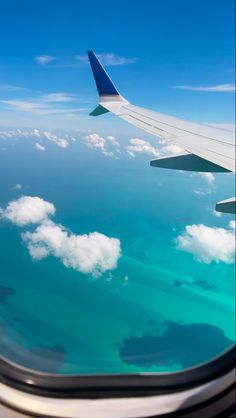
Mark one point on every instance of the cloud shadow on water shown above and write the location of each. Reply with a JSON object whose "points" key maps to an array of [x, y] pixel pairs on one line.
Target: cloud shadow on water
{"points": [[186, 345], [5, 292]]}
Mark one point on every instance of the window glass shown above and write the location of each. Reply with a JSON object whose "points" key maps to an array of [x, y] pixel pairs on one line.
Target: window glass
{"points": [[107, 264]]}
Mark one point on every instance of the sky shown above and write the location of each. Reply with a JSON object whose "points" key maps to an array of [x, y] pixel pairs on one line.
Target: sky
{"points": [[176, 57]]}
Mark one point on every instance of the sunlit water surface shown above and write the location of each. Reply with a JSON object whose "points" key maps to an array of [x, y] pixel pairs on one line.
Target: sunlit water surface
{"points": [[161, 309]]}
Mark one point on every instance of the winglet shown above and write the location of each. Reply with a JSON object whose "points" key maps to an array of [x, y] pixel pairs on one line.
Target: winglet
{"points": [[104, 84]]}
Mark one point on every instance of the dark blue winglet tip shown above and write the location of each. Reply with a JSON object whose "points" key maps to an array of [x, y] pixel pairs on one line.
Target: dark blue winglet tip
{"points": [[104, 84]]}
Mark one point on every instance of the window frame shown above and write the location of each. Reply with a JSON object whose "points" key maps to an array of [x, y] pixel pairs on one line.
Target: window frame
{"points": [[113, 385]]}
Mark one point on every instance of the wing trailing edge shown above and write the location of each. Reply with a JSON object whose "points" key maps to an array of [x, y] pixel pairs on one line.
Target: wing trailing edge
{"points": [[207, 149], [227, 206], [188, 162]]}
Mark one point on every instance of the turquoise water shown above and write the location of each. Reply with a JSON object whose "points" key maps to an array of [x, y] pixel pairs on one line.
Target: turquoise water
{"points": [[148, 314]]}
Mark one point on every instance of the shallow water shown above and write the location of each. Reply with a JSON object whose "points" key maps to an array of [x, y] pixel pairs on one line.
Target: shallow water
{"points": [[149, 313]]}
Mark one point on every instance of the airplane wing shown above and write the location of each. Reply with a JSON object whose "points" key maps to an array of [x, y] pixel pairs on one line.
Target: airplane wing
{"points": [[205, 149]]}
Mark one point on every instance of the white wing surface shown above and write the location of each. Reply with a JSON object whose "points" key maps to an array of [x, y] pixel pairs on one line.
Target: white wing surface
{"points": [[204, 148]]}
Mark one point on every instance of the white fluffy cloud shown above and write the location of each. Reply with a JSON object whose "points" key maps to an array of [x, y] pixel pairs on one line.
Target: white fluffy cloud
{"points": [[209, 244], [93, 253], [232, 224], [113, 140], [169, 148], [95, 141], [60, 142], [139, 146], [27, 210]]}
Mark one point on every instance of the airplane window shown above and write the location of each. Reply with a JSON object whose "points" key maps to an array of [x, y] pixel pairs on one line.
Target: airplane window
{"points": [[117, 222], [109, 265]]}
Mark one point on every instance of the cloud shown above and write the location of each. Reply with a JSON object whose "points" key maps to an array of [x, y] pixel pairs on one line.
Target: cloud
{"points": [[202, 192], [43, 105], [40, 147], [44, 59], [24, 105], [36, 134], [217, 214], [58, 97], [232, 224], [95, 141], [27, 210], [109, 59], [10, 87], [139, 146], [93, 253], [169, 148], [228, 88], [209, 177], [209, 244], [18, 186], [113, 140], [60, 142]]}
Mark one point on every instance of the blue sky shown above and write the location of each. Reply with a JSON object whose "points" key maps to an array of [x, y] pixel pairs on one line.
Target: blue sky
{"points": [[150, 48]]}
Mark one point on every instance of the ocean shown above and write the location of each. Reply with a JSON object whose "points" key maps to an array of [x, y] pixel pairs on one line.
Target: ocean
{"points": [[160, 310]]}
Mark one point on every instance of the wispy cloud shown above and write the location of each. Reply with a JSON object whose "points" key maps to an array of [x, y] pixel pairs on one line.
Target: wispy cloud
{"points": [[209, 177], [40, 147], [11, 87], [202, 191], [17, 186], [58, 97], [44, 59], [36, 134], [43, 105], [220, 88], [109, 59]]}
